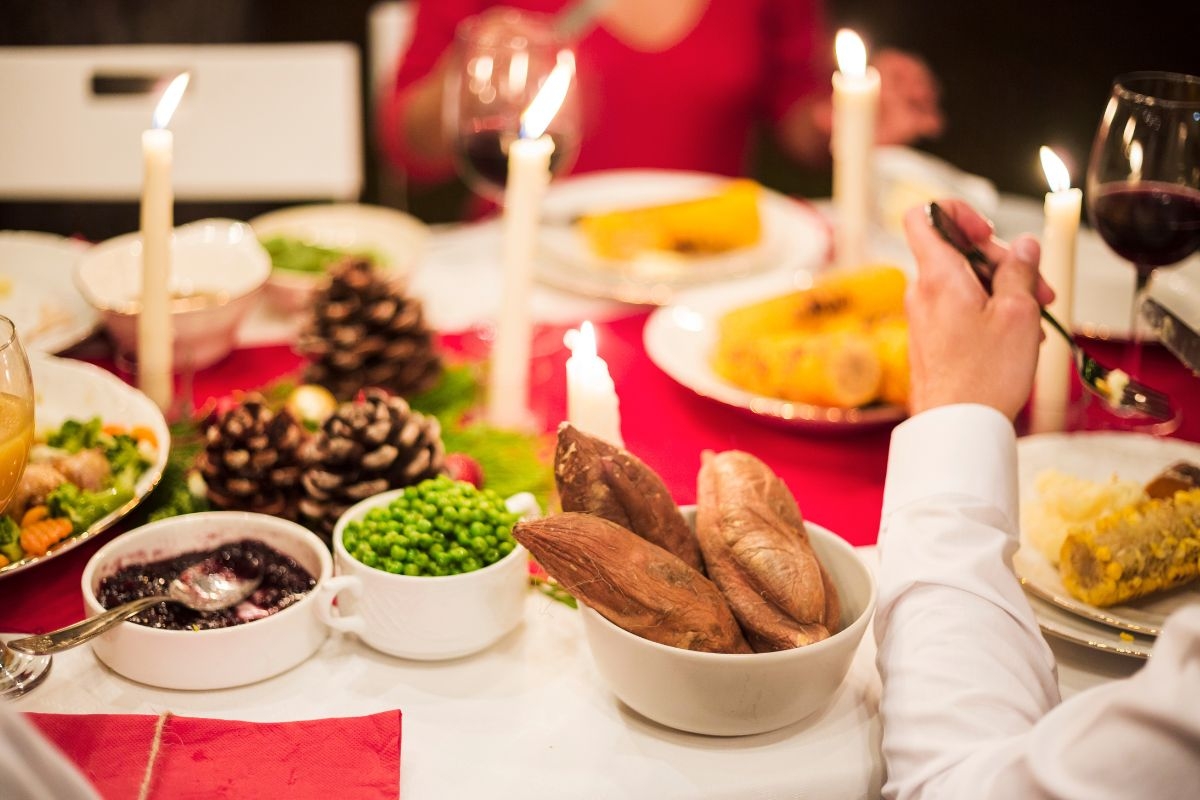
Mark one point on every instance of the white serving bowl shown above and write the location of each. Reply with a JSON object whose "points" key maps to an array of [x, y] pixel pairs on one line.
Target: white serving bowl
{"points": [[425, 617], [397, 238], [722, 694], [217, 269], [223, 657]]}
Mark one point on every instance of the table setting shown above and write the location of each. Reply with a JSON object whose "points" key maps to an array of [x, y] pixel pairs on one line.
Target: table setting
{"points": [[447, 481]]}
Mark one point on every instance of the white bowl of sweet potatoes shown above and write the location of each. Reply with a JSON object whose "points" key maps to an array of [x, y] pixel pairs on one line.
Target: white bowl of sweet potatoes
{"points": [[728, 618], [737, 694]]}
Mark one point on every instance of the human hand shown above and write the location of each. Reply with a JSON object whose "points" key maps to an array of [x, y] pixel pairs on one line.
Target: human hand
{"points": [[908, 99], [964, 345]]}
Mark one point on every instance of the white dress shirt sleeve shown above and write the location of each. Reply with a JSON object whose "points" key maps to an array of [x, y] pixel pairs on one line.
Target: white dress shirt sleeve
{"points": [[970, 704]]}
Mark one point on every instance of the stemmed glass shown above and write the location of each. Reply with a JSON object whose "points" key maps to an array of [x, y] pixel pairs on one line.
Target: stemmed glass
{"points": [[18, 673], [1143, 179], [500, 60]]}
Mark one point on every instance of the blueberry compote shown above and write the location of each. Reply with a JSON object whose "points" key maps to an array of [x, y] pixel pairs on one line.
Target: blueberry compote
{"points": [[284, 582]]}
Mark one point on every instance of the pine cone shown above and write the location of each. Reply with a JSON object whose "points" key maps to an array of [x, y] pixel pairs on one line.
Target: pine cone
{"points": [[366, 447], [366, 332], [251, 460]]}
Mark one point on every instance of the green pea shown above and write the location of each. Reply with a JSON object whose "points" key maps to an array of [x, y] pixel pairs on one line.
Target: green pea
{"points": [[412, 570]]}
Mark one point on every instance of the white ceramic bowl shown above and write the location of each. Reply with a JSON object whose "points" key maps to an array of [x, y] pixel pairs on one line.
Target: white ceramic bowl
{"points": [[209, 659], [217, 270], [397, 238], [723, 694], [425, 617]]}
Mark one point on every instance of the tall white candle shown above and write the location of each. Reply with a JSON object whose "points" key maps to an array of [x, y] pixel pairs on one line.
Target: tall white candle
{"points": [[592, 404], [855, 102], [155, 337], [1052, 382], [528, 175]]}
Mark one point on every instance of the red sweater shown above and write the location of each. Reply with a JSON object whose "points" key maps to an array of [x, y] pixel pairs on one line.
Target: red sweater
{"points": [[692, 106]]}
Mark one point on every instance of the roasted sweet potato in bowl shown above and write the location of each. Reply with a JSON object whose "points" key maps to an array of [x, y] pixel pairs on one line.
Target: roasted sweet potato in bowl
{"points": [[736, 694]]}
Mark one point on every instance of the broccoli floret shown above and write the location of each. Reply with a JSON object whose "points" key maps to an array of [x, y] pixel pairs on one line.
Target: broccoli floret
{"points": [[10, 545], [74, 435], [83, 507], [126, 460]]}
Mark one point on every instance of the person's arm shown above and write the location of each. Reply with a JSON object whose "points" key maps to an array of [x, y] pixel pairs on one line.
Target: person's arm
{"points": [[970, 701], [32, 768]]}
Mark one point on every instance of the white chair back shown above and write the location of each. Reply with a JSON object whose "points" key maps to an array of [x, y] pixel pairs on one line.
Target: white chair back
{"points": [[258, 123]]}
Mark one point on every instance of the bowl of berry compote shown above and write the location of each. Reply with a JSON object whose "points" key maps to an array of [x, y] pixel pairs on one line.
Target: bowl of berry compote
{"points": [[174, 647]]}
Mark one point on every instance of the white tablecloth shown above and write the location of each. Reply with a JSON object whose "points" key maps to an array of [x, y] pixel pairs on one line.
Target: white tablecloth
{"points": [[530, 717]]}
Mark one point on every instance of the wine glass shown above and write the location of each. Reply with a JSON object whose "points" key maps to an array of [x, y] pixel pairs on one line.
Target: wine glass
{"points": [[18, 673], [1143, 179], [500, 60]]}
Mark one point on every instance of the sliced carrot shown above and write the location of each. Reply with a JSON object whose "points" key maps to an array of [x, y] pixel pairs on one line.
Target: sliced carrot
{"points": [[34, 514], [4, 562], [39, 537], [144, 434], [113, 428]]}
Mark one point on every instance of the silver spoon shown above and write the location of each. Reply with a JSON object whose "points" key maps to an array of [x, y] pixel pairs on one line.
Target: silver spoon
{"points": [[204, 586]]}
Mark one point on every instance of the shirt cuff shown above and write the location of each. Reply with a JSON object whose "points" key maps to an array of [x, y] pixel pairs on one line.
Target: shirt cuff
{"points": [[964, 449]]}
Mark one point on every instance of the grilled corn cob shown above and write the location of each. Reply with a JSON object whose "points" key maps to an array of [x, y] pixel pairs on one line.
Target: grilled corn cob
{"points": [[1147, 547], [715, 224]]}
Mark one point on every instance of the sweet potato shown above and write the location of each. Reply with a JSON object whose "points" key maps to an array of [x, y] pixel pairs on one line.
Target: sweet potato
{"points": [[637, 585], [594, 477], [756, 550]]}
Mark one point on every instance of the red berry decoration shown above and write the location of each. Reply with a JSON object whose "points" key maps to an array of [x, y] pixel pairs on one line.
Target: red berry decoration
{"points": [[461, 467]]}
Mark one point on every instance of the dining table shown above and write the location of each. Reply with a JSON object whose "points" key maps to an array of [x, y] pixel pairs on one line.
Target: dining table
{"points": [[530, 716]]}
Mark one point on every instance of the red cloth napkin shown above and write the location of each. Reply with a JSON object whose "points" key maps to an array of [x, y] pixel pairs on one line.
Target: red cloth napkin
{"points": [[352, 757]]}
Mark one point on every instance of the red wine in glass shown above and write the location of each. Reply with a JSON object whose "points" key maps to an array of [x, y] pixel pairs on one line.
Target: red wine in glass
{"points": [[482, 158], [1150, 224]]}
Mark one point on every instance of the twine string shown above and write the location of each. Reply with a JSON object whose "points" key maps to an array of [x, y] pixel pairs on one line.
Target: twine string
{"points": [[156, 742]]}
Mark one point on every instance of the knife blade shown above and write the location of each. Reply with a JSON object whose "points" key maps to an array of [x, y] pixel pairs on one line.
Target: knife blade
{"points": [[1175, 334]]}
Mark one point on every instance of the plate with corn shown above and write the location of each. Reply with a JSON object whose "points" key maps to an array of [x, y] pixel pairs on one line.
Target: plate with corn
{"points": [[817, 352], [1110, 526], [641, 236]]}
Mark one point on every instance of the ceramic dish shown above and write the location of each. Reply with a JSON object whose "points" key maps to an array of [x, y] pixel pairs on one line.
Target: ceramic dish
{"points": [[1064, 625], [36, 292], [398, 239], [794, 237], [217, 269], [66, 389], [222, 657], [680, 337], [731, 694], [1098, 456]]}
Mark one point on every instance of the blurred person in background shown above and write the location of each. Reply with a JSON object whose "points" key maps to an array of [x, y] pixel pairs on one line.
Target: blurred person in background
{"points": [[678, 85]]}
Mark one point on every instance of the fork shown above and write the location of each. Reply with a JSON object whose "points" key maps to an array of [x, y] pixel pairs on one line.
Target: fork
{"points": [[1121, 393]]}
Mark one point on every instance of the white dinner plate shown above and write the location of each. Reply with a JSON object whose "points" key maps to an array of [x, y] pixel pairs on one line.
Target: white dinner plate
{"points": [[794, 237], [38, 294], [66, 389], [679, 338], [1097, 457], [1065, 625], [1104, 282]]}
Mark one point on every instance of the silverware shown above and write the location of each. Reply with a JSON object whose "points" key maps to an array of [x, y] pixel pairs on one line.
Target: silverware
{"points": [[1176, 335], [576, 18], [1121, 393], [204, 586]]}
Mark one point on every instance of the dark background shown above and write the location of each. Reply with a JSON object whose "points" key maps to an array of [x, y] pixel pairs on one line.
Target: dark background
{"points": [[1014, 75]]}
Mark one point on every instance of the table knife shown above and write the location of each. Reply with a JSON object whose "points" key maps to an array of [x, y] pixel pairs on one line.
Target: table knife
{"points": [[1178, 337]]}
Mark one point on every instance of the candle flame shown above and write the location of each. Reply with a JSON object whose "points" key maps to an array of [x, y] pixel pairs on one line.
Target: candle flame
{"points": [[170, 99], [549, 99], [851, 53], [1056, 171], [582, 342]]}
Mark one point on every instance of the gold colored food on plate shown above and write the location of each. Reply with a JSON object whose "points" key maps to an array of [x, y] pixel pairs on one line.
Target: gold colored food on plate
{"points": [[718, 223], [1064, 501], [842, 343], [1150, 546]]}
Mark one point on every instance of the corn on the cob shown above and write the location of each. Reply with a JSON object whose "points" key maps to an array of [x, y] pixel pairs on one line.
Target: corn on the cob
{"points": [[1148, 547], [724, 221]]}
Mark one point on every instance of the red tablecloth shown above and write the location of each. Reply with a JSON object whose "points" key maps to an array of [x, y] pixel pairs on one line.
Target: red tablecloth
{"points": [[837, 479]]}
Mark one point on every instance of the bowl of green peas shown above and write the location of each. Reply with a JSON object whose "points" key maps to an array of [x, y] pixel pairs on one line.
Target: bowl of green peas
{"points": [[430, 571]]}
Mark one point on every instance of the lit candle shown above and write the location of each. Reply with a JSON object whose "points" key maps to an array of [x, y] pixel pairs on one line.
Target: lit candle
{"points": [[528, 175], [1052, 382], [855, 101], [154, 334], [592, 404]]}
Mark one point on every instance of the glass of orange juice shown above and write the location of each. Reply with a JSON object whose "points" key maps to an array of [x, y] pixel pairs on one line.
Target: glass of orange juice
{"points": [[18, 673]]}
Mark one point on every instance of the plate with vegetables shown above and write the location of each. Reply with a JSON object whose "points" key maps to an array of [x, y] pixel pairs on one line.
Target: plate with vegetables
{"points": [[99, 448], [304, 241]]}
